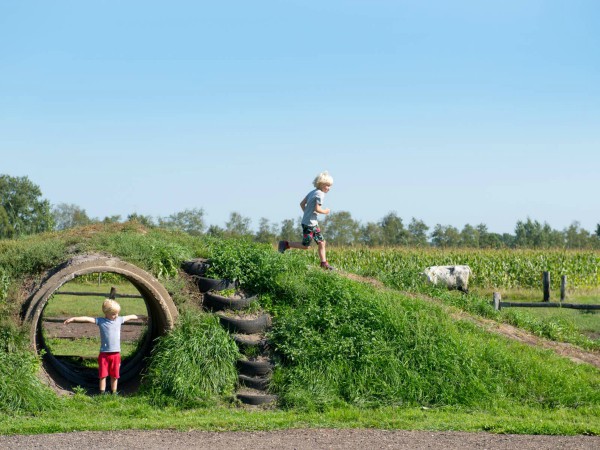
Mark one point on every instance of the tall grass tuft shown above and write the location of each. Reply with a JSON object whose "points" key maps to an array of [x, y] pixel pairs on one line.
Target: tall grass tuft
{"points": [[21, 391], [194, 365]]}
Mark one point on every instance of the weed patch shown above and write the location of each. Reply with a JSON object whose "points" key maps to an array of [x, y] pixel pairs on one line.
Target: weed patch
{"points": [[193, 365]]}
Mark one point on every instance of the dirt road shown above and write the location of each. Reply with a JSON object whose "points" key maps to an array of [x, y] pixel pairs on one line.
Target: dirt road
{"points": [[297, 439]]}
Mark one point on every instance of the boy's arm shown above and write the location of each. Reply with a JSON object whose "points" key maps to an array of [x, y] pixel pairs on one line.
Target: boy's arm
{"points": [[133, 317], [304, 202], [320, 210], [81, 319]]}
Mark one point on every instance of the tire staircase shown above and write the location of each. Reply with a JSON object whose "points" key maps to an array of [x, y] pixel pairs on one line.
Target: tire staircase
{"points": [[247, 330]]}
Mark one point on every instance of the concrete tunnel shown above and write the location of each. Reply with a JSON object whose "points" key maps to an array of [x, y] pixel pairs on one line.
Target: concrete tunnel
{"points": [[162, 314]]}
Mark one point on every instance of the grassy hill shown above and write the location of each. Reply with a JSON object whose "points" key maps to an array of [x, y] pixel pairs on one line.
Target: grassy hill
{"points": [[338, 343]]}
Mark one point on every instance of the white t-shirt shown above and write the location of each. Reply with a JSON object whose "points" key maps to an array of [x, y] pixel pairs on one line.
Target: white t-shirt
{"points": [[314, 198], [110, 333]]}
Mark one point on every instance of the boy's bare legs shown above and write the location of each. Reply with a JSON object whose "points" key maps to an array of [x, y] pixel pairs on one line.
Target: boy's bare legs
{"points": [[102, 384], [324, 264], [113, 384], [321, 251], [298, 245], [283, 245]]}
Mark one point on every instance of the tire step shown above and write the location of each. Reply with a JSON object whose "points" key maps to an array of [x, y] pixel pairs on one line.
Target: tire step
{"points": [[245, 326], [259, 383], [196, 266], [247, 341], [256, 398], [216, 302], [205, 284], [254, 368]]}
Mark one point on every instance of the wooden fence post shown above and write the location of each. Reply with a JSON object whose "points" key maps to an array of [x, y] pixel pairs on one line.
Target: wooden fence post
{"points": [[563, 288], [497, 299], [113, 293], [546, 284]]}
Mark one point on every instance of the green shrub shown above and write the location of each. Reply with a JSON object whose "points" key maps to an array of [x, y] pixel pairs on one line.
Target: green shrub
{"points": [[20, 388], [4, 285], [193, 365]]}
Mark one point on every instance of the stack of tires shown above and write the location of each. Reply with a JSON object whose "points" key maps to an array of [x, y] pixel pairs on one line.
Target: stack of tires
{"points": [[239, 315]]}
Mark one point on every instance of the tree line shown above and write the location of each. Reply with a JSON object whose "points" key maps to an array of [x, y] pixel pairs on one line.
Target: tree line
{"points": [[23, 211]]}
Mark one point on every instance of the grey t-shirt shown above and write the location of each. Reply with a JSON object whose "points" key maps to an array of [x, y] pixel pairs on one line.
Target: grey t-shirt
{"points": [[314, 198], [110, 334]]}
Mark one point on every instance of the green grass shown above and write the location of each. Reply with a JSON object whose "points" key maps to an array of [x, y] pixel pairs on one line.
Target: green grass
{"points": [[72, 305], [575, 324], [347, 354], [100, 413], [193, 365], [585, 322]]}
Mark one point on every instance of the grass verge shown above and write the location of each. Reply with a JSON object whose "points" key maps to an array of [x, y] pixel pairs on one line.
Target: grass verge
{"points": [[100, 413]]}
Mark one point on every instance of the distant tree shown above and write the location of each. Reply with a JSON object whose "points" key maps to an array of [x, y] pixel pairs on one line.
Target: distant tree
{"points": [[371, 235], [69, 216], [190, 221], [6, 229], [577, 237], [528, 233], [535, 235], [552, 238], [267, 232], [23, 210], [341, 228], [393, 230], [489, 240], [215, 231], [147, 221], [445, 236], [509, 240], [111, 219], [469, 237], [289, 231], [596, 238], [417, 233], [237, 225]]}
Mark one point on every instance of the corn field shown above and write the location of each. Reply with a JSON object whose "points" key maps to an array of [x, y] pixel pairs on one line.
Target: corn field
{"points": [[499, 269]]}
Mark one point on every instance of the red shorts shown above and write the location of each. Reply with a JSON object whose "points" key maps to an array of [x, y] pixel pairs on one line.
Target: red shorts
{"points": [[109, 364]]}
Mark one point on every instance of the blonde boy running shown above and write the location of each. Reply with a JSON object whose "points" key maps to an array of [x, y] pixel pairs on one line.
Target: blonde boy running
{"points": [[312, 205]]}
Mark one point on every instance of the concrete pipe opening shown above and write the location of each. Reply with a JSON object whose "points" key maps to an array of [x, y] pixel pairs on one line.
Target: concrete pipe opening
{"points": [[160, 308]]}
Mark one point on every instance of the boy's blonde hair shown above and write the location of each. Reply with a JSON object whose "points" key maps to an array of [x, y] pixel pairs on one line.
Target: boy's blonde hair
{"points": [[323, 178], [110, 307]]}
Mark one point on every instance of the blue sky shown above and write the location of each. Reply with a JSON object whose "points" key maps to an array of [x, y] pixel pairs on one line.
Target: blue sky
{"points": [[452, 112]]}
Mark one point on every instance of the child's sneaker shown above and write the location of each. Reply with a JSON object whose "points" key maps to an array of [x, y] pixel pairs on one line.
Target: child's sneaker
{"points": [[325, 265], [283, 246]]}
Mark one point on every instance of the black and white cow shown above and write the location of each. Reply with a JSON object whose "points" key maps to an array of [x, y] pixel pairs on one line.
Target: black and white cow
{"points": [[453, 277]]}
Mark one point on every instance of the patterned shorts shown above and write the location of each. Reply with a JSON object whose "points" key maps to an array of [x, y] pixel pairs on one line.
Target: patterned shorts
{"points": [[309, 233]]}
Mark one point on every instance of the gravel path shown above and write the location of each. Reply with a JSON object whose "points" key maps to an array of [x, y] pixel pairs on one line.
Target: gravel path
{"points": [[296, 439]]}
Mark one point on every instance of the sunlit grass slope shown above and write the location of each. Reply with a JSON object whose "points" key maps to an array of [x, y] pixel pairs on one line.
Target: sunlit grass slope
{"points": [[337, 342]]}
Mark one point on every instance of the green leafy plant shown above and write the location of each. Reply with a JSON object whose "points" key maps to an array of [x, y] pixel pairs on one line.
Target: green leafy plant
{"points": [[20, 388], [4, 285], [193, 365]]}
